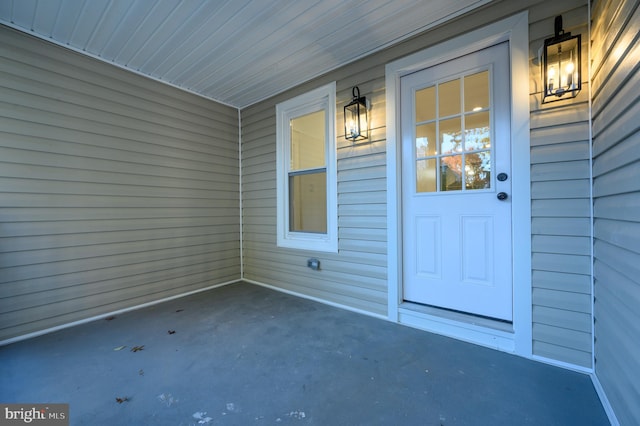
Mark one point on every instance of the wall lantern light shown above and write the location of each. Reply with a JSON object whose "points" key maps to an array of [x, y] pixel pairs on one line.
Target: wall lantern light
{"points": [[561, 65], [355, 117]]}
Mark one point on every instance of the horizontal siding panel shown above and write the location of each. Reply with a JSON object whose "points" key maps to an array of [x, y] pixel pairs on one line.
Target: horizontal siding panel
{"points": [[156, 268], [23, 243], [362, 234], [104, 213], [574, 207], [561, 245], [560, 281], [562, 353], [619, 234], [58, 254], [568, 132], [571, 227], [622, 207], [563, 189], [63, 92], [39, 270], [579, 112], [571, 339], [562, 300], [107, 153], [193, 273], [618, 258], [555, 262], [623, 127], [577, 321], [618, 181], [362, 210], [560, 171], [371, 185], [617, 156], [17, 229], [573, 151], [88, 123], [30, 200]]}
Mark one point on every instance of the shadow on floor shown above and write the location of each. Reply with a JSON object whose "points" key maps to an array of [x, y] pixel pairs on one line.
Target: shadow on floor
{"points": [[246, 355]]}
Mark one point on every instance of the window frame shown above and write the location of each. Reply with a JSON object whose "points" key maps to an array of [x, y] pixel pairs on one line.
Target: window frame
{"points": [[322, 98]]}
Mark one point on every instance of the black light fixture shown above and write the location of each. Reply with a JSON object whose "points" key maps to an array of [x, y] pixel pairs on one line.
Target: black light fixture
{"points": [[561, 65], [355, 117]]}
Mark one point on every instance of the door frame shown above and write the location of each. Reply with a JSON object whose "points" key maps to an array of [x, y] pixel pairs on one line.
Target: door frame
{"points": [[516, 338]]}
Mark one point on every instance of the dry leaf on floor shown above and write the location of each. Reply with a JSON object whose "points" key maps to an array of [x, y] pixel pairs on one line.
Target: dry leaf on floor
{"points": [[137, 348], [119, 348], [179, 310], [141, 372], [121, 400], [110, 318], [171, 332]]}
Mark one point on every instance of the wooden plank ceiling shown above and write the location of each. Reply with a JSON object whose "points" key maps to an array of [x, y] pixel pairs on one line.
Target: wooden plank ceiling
{"points": [[237, 52]]}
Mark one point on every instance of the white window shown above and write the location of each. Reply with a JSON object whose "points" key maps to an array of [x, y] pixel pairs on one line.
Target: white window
{"points": [[306, 163]]}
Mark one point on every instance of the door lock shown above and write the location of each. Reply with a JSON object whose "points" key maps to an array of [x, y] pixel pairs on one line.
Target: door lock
{"points": [[502, 177], [502, 196]]}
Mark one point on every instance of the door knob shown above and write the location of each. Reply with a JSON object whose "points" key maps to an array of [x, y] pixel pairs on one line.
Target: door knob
{"points": [[502, 196], [502, 177]]}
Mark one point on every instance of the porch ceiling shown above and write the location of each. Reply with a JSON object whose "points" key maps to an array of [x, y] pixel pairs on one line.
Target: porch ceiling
{"points": [[232, 51]]}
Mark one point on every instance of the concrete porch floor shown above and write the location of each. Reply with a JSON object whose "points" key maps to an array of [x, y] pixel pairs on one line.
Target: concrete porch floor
{"points": [[246, 355]]}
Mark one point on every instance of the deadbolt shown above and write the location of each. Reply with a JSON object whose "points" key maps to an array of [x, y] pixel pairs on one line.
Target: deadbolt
{"points": [[502, 177]]}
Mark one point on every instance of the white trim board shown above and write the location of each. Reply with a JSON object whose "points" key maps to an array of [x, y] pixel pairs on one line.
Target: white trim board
{"points": [[515, 30]]}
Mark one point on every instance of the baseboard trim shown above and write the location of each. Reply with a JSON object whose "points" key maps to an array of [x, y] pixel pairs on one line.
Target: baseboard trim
{"points": [[108, 314], [613, 419], [317, 299]]}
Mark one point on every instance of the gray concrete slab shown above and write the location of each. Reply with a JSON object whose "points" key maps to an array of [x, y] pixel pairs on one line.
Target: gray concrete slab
{"points": [[246, 355]]}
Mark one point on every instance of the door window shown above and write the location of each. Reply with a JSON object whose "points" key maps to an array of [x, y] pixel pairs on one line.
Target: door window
{"points": [[453, 150]]}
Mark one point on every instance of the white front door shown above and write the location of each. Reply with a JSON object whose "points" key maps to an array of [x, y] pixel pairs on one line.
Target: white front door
{"points": [[456, 182]]}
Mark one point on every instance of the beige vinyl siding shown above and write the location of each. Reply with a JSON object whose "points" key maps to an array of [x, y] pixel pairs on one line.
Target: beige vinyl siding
{"points": [[616, 167], [560, 191], [115, 190], [560, 202]]}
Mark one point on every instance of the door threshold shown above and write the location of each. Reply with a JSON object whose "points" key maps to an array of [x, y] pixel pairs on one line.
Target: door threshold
{"points": [[482, 331]]}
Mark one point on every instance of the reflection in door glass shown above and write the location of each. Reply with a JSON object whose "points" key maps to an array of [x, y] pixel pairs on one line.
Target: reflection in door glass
{"points": [[451, 173], [426, 176], [477, 170], [450, 136], [476, 131], [425, 140]]}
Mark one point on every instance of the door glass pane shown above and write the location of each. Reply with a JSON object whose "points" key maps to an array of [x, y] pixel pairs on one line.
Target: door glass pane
{"points": [[476, 91], [450, 136], [451, 173], [308, 141], [476, 133], [425, 140], [426, 104], [426, 176], [478, 170], [308, 202], [449, 98]]}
